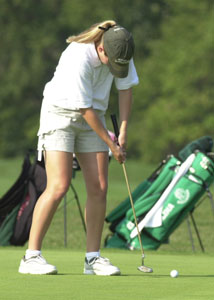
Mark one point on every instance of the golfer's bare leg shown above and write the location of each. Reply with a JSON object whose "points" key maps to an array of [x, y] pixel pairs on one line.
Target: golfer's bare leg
{"points": [[59, 174], [95, 171]]}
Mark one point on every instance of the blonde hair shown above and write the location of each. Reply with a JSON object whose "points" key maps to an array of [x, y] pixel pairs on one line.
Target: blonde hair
{"points": [[93, 34]]}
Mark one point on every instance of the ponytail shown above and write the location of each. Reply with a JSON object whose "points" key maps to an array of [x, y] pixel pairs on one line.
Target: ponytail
{"points": [[93, 34]]}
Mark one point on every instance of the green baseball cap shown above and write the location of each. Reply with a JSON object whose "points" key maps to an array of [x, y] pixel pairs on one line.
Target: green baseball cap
{"points": [[119, 47]]}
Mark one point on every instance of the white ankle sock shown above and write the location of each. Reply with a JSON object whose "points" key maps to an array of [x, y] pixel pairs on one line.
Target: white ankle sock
{"points": [[29, 253], [90, 255]]}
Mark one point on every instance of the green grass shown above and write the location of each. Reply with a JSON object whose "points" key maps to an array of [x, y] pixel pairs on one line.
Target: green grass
{"points": [[194, 282]]}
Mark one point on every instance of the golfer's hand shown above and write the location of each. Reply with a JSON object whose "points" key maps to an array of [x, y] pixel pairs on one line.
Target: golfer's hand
{"points": [[119, 153], [122, 140]]}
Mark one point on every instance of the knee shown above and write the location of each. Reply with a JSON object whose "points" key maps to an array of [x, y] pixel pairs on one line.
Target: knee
{"points": [[58, 190], [98, 190]]}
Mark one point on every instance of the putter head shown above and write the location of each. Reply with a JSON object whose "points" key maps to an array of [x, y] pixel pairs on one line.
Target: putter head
{"points": [[145, 269]]}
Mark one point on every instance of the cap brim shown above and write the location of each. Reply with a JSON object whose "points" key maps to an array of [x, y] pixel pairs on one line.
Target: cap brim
{"points": [[118, 70]]}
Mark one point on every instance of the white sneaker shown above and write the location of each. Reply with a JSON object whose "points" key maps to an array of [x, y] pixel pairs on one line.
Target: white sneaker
{"points": [[36, 265], [100, 266]]}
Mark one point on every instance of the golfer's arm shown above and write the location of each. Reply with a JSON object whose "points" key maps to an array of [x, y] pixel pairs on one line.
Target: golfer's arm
{"points": [[94, 122], [125, 104]]}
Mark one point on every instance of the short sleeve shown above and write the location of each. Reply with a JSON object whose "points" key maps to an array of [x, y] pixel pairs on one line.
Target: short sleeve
{"points": [[131, 80]]}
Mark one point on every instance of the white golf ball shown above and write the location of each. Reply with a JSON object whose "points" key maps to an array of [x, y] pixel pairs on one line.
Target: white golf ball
{"points": [[174, 273]]}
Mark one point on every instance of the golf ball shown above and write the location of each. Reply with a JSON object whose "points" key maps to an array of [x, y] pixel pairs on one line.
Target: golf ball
{"points": [[174, 273]]}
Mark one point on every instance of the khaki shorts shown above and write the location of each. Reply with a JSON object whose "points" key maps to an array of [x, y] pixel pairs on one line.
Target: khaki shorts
{"points": [[66, 130]]}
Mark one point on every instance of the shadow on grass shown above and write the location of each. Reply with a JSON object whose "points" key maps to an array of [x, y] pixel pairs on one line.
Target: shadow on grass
{"points": [[81, 274]]}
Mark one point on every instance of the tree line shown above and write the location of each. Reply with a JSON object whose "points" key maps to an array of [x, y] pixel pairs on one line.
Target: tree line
{"points": [[173, 104]]}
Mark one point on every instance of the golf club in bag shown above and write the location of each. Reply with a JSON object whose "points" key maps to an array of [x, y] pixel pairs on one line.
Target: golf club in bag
{"points": [[141, 268]]}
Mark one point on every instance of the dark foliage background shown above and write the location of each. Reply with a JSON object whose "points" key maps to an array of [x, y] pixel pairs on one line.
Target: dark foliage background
{"points": [[173, 104]]}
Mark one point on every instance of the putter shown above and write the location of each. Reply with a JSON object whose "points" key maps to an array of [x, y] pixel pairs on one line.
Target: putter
{"points": [[141, 268]]}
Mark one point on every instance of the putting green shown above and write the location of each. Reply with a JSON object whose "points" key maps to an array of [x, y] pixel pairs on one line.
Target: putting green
{"points": [[194, 282]]}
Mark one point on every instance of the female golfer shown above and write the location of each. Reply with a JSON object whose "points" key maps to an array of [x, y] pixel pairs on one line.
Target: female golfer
{"points": [[73, 121]]}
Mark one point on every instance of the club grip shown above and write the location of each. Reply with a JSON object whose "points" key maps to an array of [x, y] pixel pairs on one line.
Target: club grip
{"points": [[115, 125]]}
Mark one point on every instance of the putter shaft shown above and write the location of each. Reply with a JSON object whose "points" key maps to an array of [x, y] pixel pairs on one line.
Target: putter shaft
{"points": [[133, 209], [142, 268]]}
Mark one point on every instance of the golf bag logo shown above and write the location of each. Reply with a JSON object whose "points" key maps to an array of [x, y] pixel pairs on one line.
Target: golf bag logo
{"points": [[205, 162], [167, 211], [182, 195], [130, 225]]}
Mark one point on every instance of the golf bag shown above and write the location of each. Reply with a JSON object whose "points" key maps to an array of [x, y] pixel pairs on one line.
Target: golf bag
{"points": [[163, 200], [17, 205]]}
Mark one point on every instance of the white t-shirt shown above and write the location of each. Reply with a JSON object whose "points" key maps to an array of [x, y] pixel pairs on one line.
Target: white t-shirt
{"points": [[82, 81]]}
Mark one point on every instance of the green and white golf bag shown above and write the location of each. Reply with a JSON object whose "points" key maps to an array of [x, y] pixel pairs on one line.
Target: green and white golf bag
{"points": [[162, 201]]}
